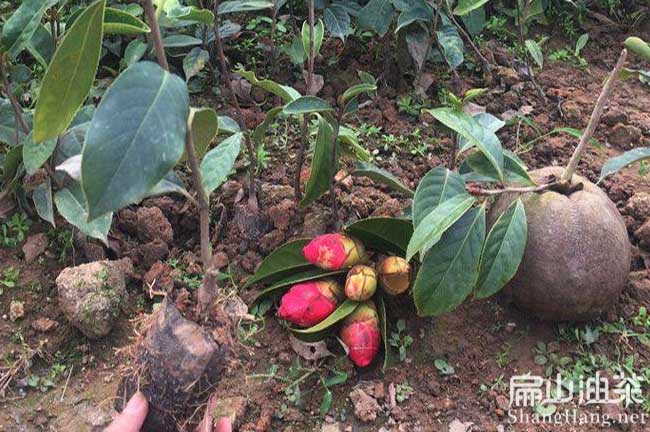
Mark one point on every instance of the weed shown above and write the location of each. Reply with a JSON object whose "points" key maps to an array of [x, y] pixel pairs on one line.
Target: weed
{"points": [[9, 279], [14, 230], [403, 391], [399, 340], [503, 356], [443, 367]]}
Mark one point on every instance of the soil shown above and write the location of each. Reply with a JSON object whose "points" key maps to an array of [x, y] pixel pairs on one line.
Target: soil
{"points": [[485, 342]]}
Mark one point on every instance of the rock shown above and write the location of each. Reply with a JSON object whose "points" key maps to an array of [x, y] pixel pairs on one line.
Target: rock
{"points": [[232, 407], [44, 325], [282, 213], [577, 254], [16, 310], [624, 136], [147, 224], [91, 295], [333, 427], [638, 206], [34, 246], [365, 407], [643, 234]]}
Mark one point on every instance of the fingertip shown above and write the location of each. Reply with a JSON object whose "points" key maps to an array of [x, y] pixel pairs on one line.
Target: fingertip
{"points": [[223, 425]]}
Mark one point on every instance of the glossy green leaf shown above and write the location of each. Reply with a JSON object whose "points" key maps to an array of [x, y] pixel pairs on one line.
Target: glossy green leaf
{"points": [[341, 312], [437, 186], [356, 90], [326, 404], [466, 6], [450, 269], [128, 151], [391, 358], [581, 43], [307, 105], [191, 13], [285, 260], [451, 42], [194, 62], [35, 155], [349, 145], [617, 163], [181, 41], [433, 226], [117, 21], [486, 120], [638, 46], [303, 276], [205, 127], [134, 52], [238, 6], [376, 15], [319, 34], [18, 30], [228, 126], [479, 136], [514, 168], [337, 21], [286, 93], [8, 126], [535, 52], [323, 166], [171, 183], [383, 234], [41, 46], [419, 11], [42, 197], [12, 164], [218, 162], [260, 130], [375, 173], [475, 21], [503, 250], [71, 205], [70, 75]]}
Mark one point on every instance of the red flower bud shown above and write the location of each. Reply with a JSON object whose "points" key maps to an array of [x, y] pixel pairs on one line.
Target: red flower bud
{"points": [[361, 283], [306, 304], [394, 275], [361, 334], [334, 251]]}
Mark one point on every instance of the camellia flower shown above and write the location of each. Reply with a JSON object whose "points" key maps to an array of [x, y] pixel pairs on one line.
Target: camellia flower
{"points": [[361, 283], [306, 304], [394, 275], [334, 251], [361, 334]]}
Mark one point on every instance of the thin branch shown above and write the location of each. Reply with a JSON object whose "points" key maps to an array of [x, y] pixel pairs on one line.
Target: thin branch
{"points": [[12, 98], [225, 72], [155, 34], [484, 62], [479, 191], [595, 118]]}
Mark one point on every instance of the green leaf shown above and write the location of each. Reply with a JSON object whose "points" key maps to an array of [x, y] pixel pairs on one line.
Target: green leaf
{"points": [[503, 250], [467, 127], [419, 11], [486, 120], [376, 15], [307, 105], [576, 133], [337, 21], [42, 197], [228, 126], [194, 62], [41, 46], [638, 46], [171, 183], [238, 6], [437, 186], [70, 75], [286, 93], [260, 130], [349, 144], [450, 269], [282, 285], [326, 404], [134, 52], [581, 43], [166, 5], [128, 151], [323, 165], [12, 163], [451, 42], [35, 155], [181, 41], [535, 52], [205, 127], [615, 164], [319, 33], [383, 234], [191, 13], [117, 21], [356, 90], [8, 126], [375, 173], [466, 6], [71, 205], [219, 161], [429, 231], [390, 357], [18, 30], [514, 168], [285, 260], [341, 312]]}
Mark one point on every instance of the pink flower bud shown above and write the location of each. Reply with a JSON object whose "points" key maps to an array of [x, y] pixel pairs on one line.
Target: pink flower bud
{"points": [[361, 283], [360, 333], [394, 275], [306, 304], [334, 251]]}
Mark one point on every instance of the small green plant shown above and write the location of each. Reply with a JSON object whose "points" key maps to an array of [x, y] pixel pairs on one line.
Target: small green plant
{"points": [[9, 278], [403, 391], [15, 230], [399, 340], [409, 105], [444, 367], [574, 56], [503, 356]]}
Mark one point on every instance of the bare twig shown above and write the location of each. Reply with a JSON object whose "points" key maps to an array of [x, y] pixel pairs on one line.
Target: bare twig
{"points": [[208, 290], [484, 62], [225, 72], [479, 191], [12, 98], [595, 118]]}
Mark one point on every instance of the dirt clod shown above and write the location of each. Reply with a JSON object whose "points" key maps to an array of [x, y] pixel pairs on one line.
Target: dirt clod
{"points": [[366, 407], [624, 136], [147, 224], [44, 325], [16, 310], [34, 246]]}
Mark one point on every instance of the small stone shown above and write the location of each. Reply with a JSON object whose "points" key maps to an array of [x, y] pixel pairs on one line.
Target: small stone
{"points": [[44, 325], [16, 310], [365, 407], [34, 246]]}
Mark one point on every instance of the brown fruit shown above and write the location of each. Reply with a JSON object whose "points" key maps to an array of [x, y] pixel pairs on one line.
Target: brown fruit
{"points": [[577, 255], [394, 275]]}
